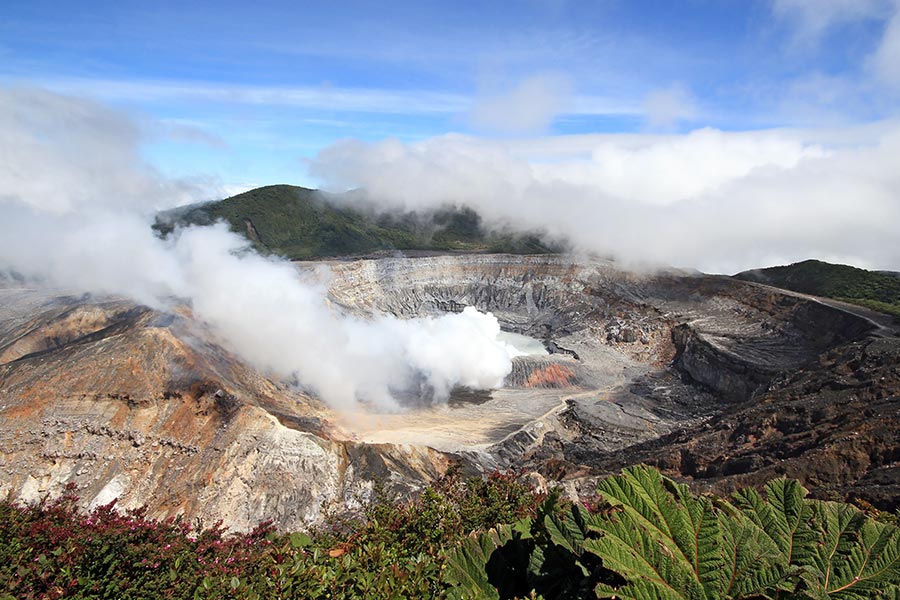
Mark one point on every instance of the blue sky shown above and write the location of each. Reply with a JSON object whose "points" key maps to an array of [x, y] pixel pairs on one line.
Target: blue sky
{"points": [[246, 92]]}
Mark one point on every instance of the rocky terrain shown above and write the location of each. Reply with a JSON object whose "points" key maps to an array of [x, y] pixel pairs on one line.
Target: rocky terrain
{"points": [[130, 403], [715, 380]]}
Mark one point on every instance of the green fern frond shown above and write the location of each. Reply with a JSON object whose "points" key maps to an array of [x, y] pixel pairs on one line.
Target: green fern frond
{"points": [[569, 529], [467, 565], [657, 541], [856, 558], [783, 515], [752, 565], [667, 543]]}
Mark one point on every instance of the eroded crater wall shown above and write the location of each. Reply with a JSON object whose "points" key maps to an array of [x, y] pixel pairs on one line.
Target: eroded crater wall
{"points": [[129, 402]]}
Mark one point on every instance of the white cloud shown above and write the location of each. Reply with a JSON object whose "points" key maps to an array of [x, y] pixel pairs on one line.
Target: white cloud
{"points": [[184, 131], [75, 199], [829, 94], [813, 18], [665, 107], [321, 97], [530, 106], [870, 90], [714, 200], [886, 59], [61, 154]]}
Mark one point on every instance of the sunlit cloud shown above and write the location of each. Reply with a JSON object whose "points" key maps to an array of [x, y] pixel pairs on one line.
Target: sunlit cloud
{"points": [[719, 201]]}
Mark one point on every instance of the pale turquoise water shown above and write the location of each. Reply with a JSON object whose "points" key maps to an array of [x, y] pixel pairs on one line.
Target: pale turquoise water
{"points": [[523, 343]]}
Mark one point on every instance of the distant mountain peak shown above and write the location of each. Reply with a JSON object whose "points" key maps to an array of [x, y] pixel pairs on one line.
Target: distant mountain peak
{"points": [[302, 224]]}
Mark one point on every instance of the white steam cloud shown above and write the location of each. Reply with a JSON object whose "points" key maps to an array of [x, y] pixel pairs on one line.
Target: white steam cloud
{"points": [[714, 200], [76, 202]]}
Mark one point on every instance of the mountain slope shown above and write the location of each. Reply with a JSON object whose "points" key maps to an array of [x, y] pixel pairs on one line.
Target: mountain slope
{"points": [[302, 224], [131, 403], [876, 290]]}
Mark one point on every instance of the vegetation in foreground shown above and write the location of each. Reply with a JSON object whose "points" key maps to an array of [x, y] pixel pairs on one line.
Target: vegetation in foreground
{"points": [[395, 550], [642, 537], [871, 289], [303, 224]]}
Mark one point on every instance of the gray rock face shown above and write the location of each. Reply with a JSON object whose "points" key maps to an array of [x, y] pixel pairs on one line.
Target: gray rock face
{"points": [[738, 362], [145, 407], [531, 289]]}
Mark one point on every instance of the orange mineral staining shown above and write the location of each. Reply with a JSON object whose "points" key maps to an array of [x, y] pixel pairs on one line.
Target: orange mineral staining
{"points": [[552, 376]]}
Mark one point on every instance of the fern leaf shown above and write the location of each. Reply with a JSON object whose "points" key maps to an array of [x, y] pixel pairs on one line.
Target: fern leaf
{"points": [[860, 557], [661, 535], [652, 504], [783, 515], [649, 568], [667, 543], [753, 566], [559, 566], [467, 565], [638, 590], [836, 527], [569, 529]]}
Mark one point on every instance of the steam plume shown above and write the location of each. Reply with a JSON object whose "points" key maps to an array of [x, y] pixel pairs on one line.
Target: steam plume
{"points": [[76, 201]]}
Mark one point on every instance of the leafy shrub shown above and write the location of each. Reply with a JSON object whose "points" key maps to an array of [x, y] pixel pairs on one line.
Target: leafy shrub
{"points": [[51, 550], [653, 539], [645, 537]]}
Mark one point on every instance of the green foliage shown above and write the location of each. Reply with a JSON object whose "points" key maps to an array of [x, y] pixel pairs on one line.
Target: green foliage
{"points": [[303, 224], [50, 550], [651, 539], [543, 556], [890, 308], [668, 543], [645, 537], [468, 563], [842, 553], [877, 291]]}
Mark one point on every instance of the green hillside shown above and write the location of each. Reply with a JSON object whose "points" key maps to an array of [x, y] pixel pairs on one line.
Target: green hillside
{"points": [[876, 290], [303, 224]]}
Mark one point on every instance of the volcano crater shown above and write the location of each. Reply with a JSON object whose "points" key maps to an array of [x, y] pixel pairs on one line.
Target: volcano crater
{"points": [[715, 380]]}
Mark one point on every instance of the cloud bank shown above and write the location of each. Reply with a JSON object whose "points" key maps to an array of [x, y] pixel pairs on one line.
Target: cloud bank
{"points": [[714, 200], [77, 201]]}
